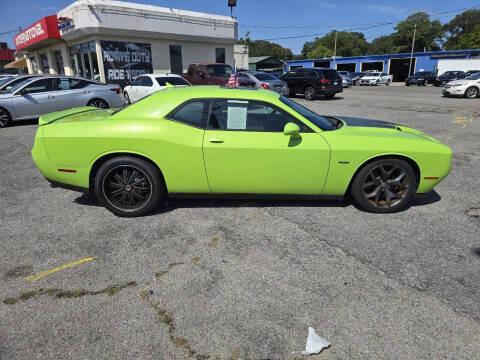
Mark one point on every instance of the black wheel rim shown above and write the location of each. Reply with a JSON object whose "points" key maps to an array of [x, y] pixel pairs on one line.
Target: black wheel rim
{"points": [[127, 188], [3, 118], [386, 186], [99, 104]]}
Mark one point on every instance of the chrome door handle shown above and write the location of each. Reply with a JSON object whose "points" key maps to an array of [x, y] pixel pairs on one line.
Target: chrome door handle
{"points": [[216, 140], [86, 92], [51, 97]]}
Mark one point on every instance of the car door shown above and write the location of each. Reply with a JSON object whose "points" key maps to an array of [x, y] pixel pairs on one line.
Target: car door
{"points": [[135, 89], [146, 87], [68, 93], [246, 151], [34, 99]]}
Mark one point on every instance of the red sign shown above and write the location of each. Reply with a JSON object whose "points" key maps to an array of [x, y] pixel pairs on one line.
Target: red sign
{"points": [[44, 29]]}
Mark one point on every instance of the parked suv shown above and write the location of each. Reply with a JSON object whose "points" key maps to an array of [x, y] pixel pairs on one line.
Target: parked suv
{"points": [[208, 74], [313, 82], [421, 78]]}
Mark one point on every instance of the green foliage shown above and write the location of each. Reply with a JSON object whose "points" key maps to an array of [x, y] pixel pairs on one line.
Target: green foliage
{"points": [[348, 44], [462, 31], [266, 48], [429, 33], [383, 45]]}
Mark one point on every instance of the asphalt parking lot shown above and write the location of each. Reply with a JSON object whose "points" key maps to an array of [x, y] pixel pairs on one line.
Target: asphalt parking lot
{"points": [[207, 279]]}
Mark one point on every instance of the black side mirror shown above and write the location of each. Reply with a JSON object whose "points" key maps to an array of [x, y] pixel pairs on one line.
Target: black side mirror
{"points": [[23, 92]]}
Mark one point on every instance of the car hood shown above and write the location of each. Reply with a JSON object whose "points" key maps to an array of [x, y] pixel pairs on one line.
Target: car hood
{"points": [[370, 77], [377, 127], [5, 95], [85, 113], [460, 82]]}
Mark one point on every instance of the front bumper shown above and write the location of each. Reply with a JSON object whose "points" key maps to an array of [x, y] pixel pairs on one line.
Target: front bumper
{"points": [[453, 91]]}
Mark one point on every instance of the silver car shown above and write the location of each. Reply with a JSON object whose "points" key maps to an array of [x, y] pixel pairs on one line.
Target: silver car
{"points": [[37, 96], [264, 80], [8, 83]]}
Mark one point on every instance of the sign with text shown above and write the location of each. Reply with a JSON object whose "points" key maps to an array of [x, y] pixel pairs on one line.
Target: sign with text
{"points": [[124, 61], [43, 29]]}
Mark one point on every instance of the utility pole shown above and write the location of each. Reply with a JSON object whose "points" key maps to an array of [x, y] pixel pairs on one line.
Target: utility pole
{"points": [[335, 50], [411, 52]]}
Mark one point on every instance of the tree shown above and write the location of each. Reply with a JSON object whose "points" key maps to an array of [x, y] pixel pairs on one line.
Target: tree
{"points": [[383, 45], [460, 31], [266, 48], [428, 36], [348, 44]]}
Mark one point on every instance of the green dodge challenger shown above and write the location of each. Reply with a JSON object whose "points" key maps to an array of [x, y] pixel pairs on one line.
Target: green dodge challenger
{"points": [[216, 141]]}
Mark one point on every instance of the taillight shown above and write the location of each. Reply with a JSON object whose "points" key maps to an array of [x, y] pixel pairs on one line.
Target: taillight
{"points": [[117, 90], [265, 86], [325, 81]]}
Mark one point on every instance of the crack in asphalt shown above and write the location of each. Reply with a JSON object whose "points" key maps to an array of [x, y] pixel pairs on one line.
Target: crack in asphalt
{"points": [[166, 318], [67, 294]]}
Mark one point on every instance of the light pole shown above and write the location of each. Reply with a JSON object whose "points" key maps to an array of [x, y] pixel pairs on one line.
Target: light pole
{"points": [[232, 4], [335, 50], [411, 52]]}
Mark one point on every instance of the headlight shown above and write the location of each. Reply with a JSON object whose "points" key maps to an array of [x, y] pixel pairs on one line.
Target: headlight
{"points": [[456, 85]]}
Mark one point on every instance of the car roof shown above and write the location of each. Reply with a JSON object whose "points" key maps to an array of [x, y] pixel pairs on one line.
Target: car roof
{"points": [[160, 74]]}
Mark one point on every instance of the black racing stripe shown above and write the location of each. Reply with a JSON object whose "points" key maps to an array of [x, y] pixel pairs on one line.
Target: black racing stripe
{"points": [[367, 123]]}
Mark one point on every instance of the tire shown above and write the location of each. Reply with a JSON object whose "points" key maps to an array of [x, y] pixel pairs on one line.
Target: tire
{"points": [[372, 187], [310, 93], [98, 103], [472, 92], [407, 84], [126, 98], [291, 93], [5, 118], [377, 83], [388, 83], [128, 186]]}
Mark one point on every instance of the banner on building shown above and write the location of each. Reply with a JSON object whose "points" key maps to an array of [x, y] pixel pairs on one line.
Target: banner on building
{"points": [[124, 61]]}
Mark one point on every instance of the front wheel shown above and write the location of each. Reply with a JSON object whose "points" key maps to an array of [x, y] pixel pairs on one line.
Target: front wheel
{"points": [[384, 186], [471, 93], [128, 186], [388, 83], [126, 99], [310, 93]]}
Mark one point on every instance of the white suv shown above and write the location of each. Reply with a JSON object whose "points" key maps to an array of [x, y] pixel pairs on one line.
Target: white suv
{"points": [[468, 87], [147, 84]]}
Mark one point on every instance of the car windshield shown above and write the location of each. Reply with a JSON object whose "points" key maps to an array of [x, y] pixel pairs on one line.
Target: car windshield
{"points": [[322, 122], [219, 70], [5, 80], [18, 86], [373, 74], [172, 80], [421, 73], [475, 76], [264, 77]]}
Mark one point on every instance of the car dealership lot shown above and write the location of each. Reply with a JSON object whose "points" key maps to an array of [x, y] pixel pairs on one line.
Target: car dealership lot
{"points": [[244, 279]]}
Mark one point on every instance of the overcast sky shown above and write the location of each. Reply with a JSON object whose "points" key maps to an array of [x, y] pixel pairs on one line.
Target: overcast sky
{"points": [[268, 19]]}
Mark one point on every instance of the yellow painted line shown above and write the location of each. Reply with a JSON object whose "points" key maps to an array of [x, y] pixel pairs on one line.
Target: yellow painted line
{"points": [[42, 274]]}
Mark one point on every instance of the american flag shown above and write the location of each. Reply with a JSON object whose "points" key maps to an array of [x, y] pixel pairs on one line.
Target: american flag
{"points": [[233, 79]]}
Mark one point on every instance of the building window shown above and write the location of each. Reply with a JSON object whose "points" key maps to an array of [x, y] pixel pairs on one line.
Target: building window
{"points": [[59, 62], [176, 64], [44, 64], [84, 60], [220, 55], [33, 61]]}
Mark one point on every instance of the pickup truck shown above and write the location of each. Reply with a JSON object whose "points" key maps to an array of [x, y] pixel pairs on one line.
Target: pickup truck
{"points": [[375, 78], [208, 74]]}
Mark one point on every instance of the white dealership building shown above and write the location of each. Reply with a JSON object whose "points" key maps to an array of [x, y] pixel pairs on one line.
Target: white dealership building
{"points": [[113, 41]]}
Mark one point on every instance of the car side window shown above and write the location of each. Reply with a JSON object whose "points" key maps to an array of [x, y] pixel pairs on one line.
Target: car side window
{"points": [[138, 81], [39, 86], [248, 115], [147, 81], [311, 74], [194, 113]]}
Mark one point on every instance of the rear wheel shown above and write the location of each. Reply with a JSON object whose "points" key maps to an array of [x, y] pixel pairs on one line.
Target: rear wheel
{"points": [[128, 186], [472, 92], [126, 99], [98, 103], [310, 93], [5, 118], [384, 186]]}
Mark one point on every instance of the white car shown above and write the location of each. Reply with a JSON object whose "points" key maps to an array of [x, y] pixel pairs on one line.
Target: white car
{"points": [[376, 78], [468, 87], [147, 84]]}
